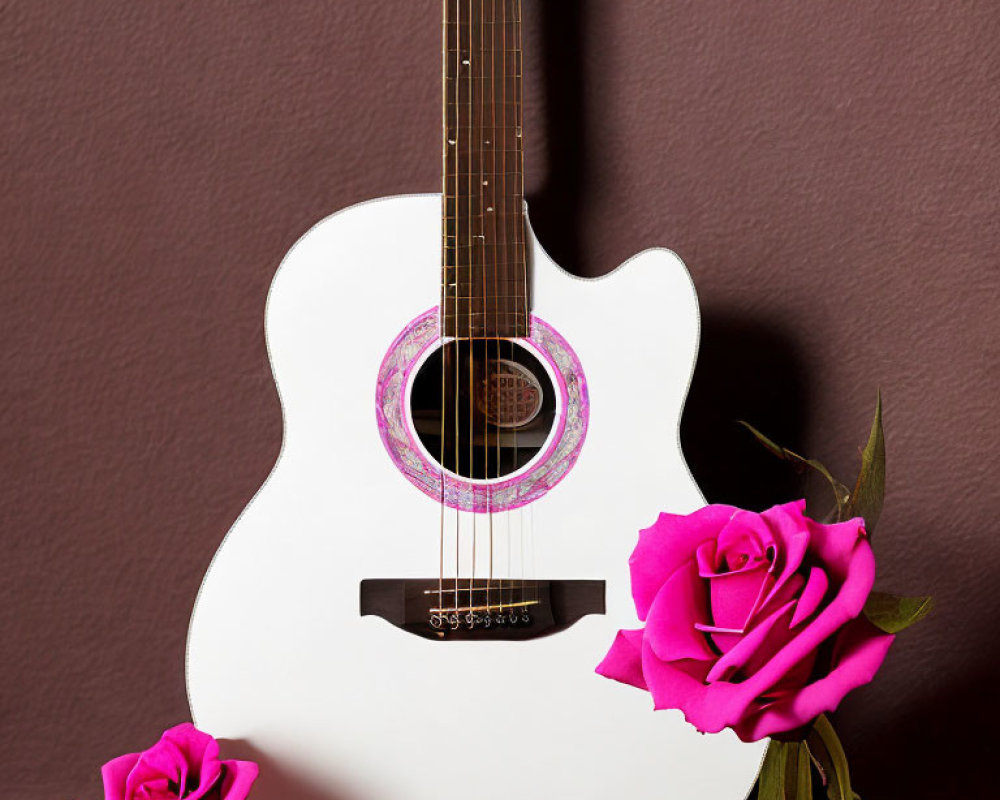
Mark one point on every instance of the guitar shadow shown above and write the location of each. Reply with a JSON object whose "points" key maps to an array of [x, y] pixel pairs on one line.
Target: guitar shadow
{"points": [[747, 369], [276, 781], [555, 205]]}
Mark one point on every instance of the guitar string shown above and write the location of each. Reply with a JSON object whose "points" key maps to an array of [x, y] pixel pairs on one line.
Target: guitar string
{"points": [[445, 45], [486, 341], [458, 239], [515, 30], [500, 77], [497, 338], [523, 232], [515, 217], [516, 334], [472, 249], [502, 217], [516, 405], [482, 224], [510, 340]]}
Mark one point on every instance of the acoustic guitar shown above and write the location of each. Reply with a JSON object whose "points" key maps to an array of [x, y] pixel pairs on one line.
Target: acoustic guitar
{"points": [[413, 604]]}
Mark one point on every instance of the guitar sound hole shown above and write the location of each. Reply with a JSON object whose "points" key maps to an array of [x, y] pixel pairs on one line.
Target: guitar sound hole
{"points": [[482, 408]]}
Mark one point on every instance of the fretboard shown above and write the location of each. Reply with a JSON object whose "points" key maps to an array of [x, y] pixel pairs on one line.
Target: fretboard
{"points": [[484, 282]]}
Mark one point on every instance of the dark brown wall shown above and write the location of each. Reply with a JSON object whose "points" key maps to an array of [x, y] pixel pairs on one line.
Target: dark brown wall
{"points": [[828, 170]]}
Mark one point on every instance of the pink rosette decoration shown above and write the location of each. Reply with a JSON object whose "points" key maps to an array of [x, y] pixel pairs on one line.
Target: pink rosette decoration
{"points": [[753, 621], [183, 765]]}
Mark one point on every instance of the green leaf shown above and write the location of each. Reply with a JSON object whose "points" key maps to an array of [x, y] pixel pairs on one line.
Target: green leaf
{"points": [[840, 492], [786, 773], [869, 491], [802, 772], [825, 747], [776, 449], [892, 613], [771, 780]]}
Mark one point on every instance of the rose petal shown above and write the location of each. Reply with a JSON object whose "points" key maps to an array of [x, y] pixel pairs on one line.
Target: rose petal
{"points": [[624, 660], [115, 773], [859, 652], [681, 685], [237, 778], [811, 596], [745, 538], [163, 762], [785, 522], [723, 639], [201, 754], [780, 594], [793, 680], [790, 619], [767, 635], [705, 557], [183, 757], [845, 606], [723, 704], [666, 545], [670, 623], [792, 536], [735, 596], [833, 545]]}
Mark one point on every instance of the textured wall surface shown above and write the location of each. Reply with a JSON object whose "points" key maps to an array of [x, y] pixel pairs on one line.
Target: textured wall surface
{"points": [[829, 171]]}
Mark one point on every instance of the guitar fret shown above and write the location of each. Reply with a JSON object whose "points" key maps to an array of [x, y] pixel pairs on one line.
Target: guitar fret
{"points": [[478, 270], [466, 315], [484, 78], [484, 284], [471, 293], [497, 274], [480, 267], [490, 148], [497, 211], [511, 23]]}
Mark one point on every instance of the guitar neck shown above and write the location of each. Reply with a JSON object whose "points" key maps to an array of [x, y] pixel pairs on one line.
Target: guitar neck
{"points": [[484, 284]]}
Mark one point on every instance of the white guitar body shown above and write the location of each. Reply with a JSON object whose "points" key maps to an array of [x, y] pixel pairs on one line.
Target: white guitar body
{"points": [[278, 654]]}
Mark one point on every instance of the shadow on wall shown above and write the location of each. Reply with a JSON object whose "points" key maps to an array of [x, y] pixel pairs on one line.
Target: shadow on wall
{"points": [[747, 369], [276, 781], [750, 369], [945, 747], [555, 207]]}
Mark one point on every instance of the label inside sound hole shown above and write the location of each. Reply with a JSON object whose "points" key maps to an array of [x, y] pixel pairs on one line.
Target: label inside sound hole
{"points": [[513, 395]]}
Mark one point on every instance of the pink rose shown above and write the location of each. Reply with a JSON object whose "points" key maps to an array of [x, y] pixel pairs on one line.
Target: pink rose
{"points": [[752, 620], [183, 764]]}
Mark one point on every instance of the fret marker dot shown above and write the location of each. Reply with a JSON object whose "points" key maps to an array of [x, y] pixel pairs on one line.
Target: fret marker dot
{"points": [[489, 208], [486, 183], [451, 141]]}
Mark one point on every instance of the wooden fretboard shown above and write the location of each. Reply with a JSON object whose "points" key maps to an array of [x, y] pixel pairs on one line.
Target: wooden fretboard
{"points": [[484, 282]]}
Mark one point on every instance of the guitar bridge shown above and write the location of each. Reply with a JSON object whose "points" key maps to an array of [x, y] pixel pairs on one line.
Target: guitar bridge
{"points": [[502, 610]]}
